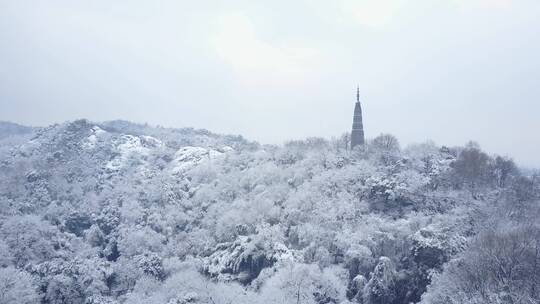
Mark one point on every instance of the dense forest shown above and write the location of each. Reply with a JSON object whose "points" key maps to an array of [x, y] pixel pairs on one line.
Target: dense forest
{"points": [[118, 212]]}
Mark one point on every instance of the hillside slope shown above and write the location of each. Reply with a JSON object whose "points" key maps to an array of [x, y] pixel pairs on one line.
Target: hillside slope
{"points": [[118, 212]]}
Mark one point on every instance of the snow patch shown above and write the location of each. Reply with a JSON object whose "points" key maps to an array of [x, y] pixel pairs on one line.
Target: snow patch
{"points": [[130, 149], [93, 138], [188, 157]]}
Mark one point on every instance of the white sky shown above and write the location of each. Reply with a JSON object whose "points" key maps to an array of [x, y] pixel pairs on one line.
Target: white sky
{"points": [[446, 70]]}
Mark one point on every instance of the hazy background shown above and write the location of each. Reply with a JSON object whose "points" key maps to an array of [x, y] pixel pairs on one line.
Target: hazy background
{"points": [[447, 70]]}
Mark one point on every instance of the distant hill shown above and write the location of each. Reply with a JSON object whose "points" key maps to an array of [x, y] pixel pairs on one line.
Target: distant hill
{"points": [[10, 129]]}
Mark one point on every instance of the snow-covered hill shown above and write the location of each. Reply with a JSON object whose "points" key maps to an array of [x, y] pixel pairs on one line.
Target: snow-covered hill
{"points": [[118, 212]]}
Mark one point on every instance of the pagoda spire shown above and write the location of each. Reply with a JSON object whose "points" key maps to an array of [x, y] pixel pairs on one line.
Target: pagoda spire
{"points": [[357, 134]]}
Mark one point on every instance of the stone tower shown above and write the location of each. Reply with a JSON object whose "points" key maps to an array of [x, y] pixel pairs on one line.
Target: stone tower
{"points": [[357, 134]]}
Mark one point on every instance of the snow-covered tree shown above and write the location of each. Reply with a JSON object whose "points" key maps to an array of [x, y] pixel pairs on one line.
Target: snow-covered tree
{"points": [[17, 287]]}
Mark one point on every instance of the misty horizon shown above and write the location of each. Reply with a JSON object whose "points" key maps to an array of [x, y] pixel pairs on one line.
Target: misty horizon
{"points": [[285, 141]]}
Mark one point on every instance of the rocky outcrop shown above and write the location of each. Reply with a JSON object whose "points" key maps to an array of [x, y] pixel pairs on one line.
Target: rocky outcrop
{"points": [[244, 259]]}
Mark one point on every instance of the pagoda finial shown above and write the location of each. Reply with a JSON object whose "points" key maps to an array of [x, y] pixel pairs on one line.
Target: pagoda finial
{"points": [[357, 93]]}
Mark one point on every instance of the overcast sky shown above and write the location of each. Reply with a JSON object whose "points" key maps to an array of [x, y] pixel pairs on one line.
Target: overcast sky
{"points": [[446, 70]]}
